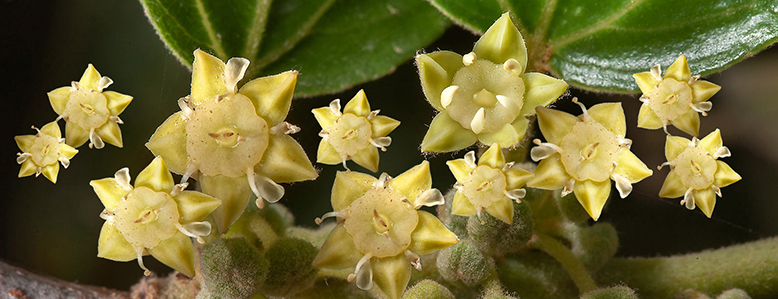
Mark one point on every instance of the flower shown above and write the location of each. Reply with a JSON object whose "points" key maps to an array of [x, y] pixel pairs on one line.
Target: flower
{"points": [[489, 186], [675, 99], [486, 95], [695, 172], [356, 133], [380, 230], [236, 139], [583, 154], [41, 152], [155, 217], [89, 112]]}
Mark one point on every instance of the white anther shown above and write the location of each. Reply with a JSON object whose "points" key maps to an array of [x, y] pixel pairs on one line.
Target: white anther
{"points": [[469, 58], [716, 189], [38, 172], [116, 119], [178, 189], [470, 159], [625, 142], [511, 64], [95, 140], [373, 114], [139, 253], [702, 107], [585, 115], [73, 86], [64, 161], [665, 164], [195, 230], [688, 199], [340, 214], [122, 177], [284, 128], [516, 194], [622, 185], [234, 71], [568, 188], [447, 96], [656, 72], [335, 107], [381, 142], [507, 166], [103, 83], [414, 259], [478, 122], [430, 198], [187, 111], [382, 180], [722, 152], [363, 274], [693, 79], [504, 101], [694, 142], [21, 157], [264, 188], [343, 159], [543, 150], [107, 216]]}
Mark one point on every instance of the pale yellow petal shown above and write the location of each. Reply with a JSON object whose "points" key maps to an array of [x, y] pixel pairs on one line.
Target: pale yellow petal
{"points": [[430, 235], [674, 146], [358, 105], [413, 182], [703, 90], [67, 151], [195, 206], [462, 205], [549, 175], [272, 95], [688, 122], [712, 142], [459, 168], [517, 177], [338, 251], [327, 154], [679, 70], [502, 41], [116, 102], [207, 77], [113, 246], [493, 157], [705, 199], [610, 116], [648, 119], [27, 168], [502, 209], [541, 90], [645, 81], [285, 161], [673, 187], [592, 196], [630, 166], [59, 99], [724, 175], [50, 172], [348, 187], [555, 124], [508, 136], [176, 252], [436, 70], [110, 133], [392, 275], [109, 192], [169, 141], [367, 158], [51, 129], [446, 135], [90, 78], [156, 177], [383, 125], [234, 193], [75, 135], [325, 117], [25, 142]]}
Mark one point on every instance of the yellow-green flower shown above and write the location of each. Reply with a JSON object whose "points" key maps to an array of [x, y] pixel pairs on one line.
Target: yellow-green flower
{"points": [[235, 142], [486, 95], [89, 112], [155, 217], [583, 154], [675, 99], [354, 134], [42, 152], [380, 230], [491, 185], [695, 172]]}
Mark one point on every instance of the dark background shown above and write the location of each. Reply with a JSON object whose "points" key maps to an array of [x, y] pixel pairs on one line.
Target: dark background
{"points": [[53, 229]]}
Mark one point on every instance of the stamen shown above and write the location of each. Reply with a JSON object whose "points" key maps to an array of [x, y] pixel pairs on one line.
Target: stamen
{"points": [[656, 72], [36, 130], [430, 198], [195, 230], [381, 142], [284, 128], [324, 134], [503, 100], [688, 199], [107, 216], [122, 177], [186, 110], [622, 185], [335, 107], [585, 115], [139, 253], [458, 186], [716, 189], [343, 159], [447, 96], [477, 124], [666, 164], [95, 140], [722, 152], [643, 99], [664, 127], [414, 259], [694, 142], [21, 157], [234, 71], [373, 114], [337, 214], [516, 194], [469, 58], [568, 188], [178, 188], [382, 180], [511, 64], [693, 79], [470, 159], [478, 214], [363, 274], [116, 119], [191, 168], [702, 107], [624, 142], [507, 166], [543, 150], [61, 116], [103, 83], [64, 161], [73, 86], [38, 172], [264, 188]]}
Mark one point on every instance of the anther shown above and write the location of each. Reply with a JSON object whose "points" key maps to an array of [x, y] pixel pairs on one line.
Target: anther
{"points": [[335, 107], [656, 72], [469, 58], [447, 96]]}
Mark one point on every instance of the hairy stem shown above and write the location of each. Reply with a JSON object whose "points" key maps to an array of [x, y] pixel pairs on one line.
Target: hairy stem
{"points": [[572, 264], [19, 283]]}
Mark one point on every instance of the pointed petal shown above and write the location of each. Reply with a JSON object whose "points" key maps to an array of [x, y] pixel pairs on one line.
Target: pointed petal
{"points": [[383, 125], [67, 151], [541, 90], [367, 158], [111, 133], [285, 161], [674, 146], [156, 177], [234, 193], [462, 205], [446, 135], [673, 187], [436, 70], [702, 91], [430, 235], [358, 105], [648, 119], [502, 209], [195, 206], [116, 101], [592, 196], [176, 252], [507, 136], [348, 187], [645, 81], [113, 246], [109, 192], [59, 99], [207, 77], [327, 154], [90, 78], [724, 175], [52, 129], [502, 41], [517, 177], [28, 168], [631, 167], [338, 251], [555, 124], [705, 199], [549, 175], [392, 275], [610, 116], [25, 142], [272, 95], [679, 70], [413, 182], [493, 157], [169, 142], [459, 168], [712, 142], [75, 135], [325, 117], [688, 122], [50, 172]]}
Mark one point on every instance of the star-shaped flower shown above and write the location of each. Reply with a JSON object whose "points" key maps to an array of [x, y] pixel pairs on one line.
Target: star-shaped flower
{"points": [[491, 185], [486, 95], [42, 152], [695, 172], [583, 154], [89, 112], [380, 230], [354, 134], [155, 217], [235, 138], [675, 99]]}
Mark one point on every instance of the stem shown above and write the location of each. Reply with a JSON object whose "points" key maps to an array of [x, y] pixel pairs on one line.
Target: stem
{"points": [[264, 231], [562, 254], [752, 267], [18, 283]]}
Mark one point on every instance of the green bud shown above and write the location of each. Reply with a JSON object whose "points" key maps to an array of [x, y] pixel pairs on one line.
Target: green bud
{"points": [[497, 238], [617, 292], [536, 275], [232, 268], [290, 269], [464, 263], [571, 208], [428, 289], [734, 294], [692, 294], [593, 245], [457, 224]]}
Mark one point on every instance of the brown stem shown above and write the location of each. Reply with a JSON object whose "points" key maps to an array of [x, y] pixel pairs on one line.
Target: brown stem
{"points": [[17, 283]]}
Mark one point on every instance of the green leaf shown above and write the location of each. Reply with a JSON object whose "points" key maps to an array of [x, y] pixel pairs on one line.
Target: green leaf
{"points": [[598, 45], [335, 44]]}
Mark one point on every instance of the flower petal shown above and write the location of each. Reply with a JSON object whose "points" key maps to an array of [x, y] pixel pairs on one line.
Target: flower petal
{"points": [[508, 136], [169, 142], [383, 125], [645, 81], [493, 157], [116, 101], [555, 124], [549, 175], [392, 275], [348, 187], [109, 192], [502, 209], [272, 95], [462, 205], [75, 135], [325, 117], [705, 199], [541, 90], [679, 70], [67, 151], [724, 175], [59, 99], [28, 168], [50, 172], [712, 142], [338, 251], [430, 235], [648, 119], [592, 196], [90, 78], [688, 122], [176, 252], [459, 168], [52, 129], [285, 161], [367, 158], [25, 142], [207, 77], [234, 193], [110, 133], [446, 135], [673, 187], [674, 146], [413, 182], [156, 177], [436, 71], [630, 166], [517, 177], [358, 105], [327, 154], [113, 246], [703, 90], [502, 41], [195, 206], [610, 116]]}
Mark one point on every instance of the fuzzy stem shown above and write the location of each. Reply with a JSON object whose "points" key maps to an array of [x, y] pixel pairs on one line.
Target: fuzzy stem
{"points": [[264, 231], [752, 267], [565, 257]]}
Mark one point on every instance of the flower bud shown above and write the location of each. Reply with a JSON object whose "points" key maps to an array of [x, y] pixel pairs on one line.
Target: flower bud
{"points": [[495, 237], [290, 269], [232, 268], [617, 292], [464, 264], [428, 289]]}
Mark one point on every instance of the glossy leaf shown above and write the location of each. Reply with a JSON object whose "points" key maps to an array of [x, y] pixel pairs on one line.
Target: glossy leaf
{"points": [[335, 44], [598, 45]]}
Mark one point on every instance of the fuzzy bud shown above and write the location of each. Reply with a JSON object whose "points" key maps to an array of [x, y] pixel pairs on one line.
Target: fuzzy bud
{"points": [[290, 269], [495, 237], [464, 263], [617, 292], [428, 289], [232, 268], [593, 245]]}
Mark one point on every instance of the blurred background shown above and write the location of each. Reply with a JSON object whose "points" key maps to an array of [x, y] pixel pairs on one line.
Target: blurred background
{"points": [[53, 229]]}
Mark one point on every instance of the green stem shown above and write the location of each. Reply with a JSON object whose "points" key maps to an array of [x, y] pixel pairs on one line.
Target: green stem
{"points": [[752, 267], [264, 231], [565, 257]]}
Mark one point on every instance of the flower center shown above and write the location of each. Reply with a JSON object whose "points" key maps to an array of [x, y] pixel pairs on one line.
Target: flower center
{"points": [[489, 86], [45, 150], [349, 134], [146, 217], [484, 186], [87, 108], [589, 152], [695, 167], [381, 222], [670, 99], [226, 137]]}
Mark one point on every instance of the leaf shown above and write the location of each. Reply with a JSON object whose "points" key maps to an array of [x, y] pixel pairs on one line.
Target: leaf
{"points": [[335, 44], [598, 45]]}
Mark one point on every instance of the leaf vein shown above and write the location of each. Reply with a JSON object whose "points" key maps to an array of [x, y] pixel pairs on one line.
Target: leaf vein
{"points": [[214, 44], [604, 24]]}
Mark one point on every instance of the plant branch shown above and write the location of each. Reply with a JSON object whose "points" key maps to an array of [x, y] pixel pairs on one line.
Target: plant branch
{"points": [[18, 283], [572, 264]]}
